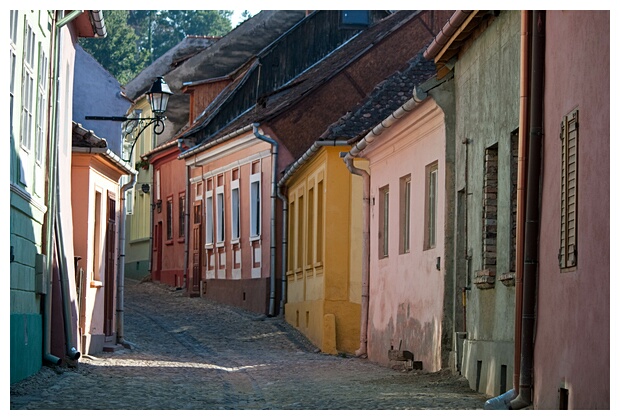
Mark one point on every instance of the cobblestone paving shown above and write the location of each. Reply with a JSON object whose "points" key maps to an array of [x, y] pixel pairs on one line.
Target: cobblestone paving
{"points": [[193, 354]]}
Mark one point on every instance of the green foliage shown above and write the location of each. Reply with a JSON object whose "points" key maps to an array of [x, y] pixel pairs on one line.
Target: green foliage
{"points": [[172, 26], [119, 52], [136, 38]]}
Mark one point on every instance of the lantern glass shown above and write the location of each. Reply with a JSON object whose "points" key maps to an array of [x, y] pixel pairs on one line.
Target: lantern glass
{"points": [[158, 96]]}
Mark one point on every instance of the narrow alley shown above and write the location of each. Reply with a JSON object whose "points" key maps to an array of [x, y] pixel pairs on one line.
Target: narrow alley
{"points": [[193, 354]]}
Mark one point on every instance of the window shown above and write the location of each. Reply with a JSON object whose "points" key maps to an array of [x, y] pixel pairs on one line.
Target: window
{"points": [[234, 209], [182, 215], [569, 135], [291, 231], [209, 215], [41, 105], [219, 196], [169, 218], [489, 209], [384, 221], [405, 214], [300, 230], [310, 219], [319, 221], [27, 88], [12, 62], [430, 218], [255, 213], [128, 200]]}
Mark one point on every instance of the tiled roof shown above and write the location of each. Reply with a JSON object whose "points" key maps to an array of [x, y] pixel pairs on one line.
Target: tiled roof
{"points": [[277, 102], [386, 98]]}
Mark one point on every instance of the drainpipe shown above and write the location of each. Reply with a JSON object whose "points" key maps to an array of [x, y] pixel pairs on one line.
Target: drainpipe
{"points": [[120, 280], [51, 188], [272, 238], [72, 353], [284, 200], [59, 21], [293, 168], [186, 244], [522, 166], [532, 212], [355, 151]]}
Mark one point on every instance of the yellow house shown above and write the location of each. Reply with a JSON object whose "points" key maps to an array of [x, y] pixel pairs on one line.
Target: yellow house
{"points": [[139, 199], [323, 273]]}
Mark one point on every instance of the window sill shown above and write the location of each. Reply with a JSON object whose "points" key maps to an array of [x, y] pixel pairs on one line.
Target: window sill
{"points": [[181, 240], [169, 242], [96, 283], [508, 279], [254, 238], [484, 279]]}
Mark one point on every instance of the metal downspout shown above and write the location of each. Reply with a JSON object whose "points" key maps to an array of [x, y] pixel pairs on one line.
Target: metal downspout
{"points": [[120, 281], [186, 244], [272, 238], [284, 200], [348, 159], [532, 212], [522, 166], [52, 126], [72, 353], [53, 228]]}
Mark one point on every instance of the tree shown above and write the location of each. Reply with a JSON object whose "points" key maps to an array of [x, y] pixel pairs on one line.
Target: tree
{"points": [[172, 26], [119, 52]]}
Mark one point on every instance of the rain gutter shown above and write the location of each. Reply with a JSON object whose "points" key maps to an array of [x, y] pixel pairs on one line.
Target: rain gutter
{"points": [[272, 236], [532, 211]]}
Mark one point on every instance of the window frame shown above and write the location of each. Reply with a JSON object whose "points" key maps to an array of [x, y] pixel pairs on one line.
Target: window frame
{"points": [[235, 203], [169, 218], [181, 219], [220, 217], [255, 193], [569, 191], [430, 205], [405, 214], [383, 233]]}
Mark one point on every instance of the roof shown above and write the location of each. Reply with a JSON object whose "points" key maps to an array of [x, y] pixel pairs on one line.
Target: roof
{"points": [[278, 101], [287, 54], [453, 36], [197, 58], [86, 141], [386, 98]]}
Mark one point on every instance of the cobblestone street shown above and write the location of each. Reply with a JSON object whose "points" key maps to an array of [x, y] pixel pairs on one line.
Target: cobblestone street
{"points": [[192, 354]]}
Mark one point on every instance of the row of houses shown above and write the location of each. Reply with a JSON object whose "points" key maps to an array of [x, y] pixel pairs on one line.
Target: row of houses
{"points": [[391, 183], [65, 192]]}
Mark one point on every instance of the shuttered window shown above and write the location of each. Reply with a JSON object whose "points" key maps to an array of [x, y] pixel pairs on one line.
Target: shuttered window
{"points": [[569, 135]]}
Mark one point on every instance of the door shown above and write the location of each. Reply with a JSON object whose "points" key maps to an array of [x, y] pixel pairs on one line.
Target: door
{"points": [[197, 249], [110, 254]]}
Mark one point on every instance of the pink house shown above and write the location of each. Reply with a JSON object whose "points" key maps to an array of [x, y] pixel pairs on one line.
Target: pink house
{"points": [[405, 152], [571, 351], [168, 210], [96, 194]]}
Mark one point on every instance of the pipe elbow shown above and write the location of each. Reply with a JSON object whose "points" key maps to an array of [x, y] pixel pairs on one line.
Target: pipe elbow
{"points": [[519, 403]]}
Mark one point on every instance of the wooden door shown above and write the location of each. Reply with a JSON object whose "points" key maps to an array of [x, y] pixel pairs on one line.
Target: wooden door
{"points": [[110, 254], [197, 249]]}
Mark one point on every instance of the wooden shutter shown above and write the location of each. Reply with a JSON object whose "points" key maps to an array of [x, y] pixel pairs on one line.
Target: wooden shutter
{"points": [[569, 135]]}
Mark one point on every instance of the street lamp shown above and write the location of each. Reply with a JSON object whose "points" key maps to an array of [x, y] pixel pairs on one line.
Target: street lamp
{"points": [[158, 97]]}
